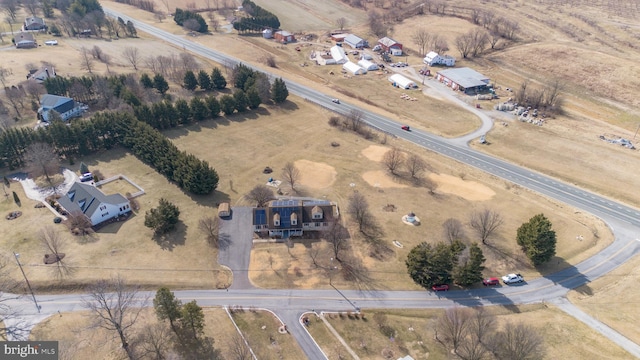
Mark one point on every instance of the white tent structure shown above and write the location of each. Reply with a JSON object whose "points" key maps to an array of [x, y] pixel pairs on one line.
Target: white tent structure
{"points": [[338, 54], [400, 81], [368, 65], [353, 68]]}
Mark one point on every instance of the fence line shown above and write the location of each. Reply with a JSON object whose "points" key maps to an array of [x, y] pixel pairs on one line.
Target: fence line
{"points": [[122, 177]]}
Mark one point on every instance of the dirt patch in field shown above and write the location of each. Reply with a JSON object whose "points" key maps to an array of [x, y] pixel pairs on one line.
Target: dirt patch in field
{"points": [[375, 152], [469, 190], [379, 178], [316, 175]]}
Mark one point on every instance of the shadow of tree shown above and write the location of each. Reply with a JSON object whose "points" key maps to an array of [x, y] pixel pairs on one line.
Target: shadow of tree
{"points": [[172, 239]]}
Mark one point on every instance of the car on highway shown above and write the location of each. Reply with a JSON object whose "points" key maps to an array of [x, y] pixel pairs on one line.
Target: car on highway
{"points": [[441, 287], [406, 128], [491, 281], [512, 279], [337, 101]]}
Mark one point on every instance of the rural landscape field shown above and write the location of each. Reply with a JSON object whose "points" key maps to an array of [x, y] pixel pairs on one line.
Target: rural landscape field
{"points": [[587, 48]]}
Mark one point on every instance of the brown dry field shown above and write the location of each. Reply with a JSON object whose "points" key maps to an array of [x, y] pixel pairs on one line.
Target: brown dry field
{"points": [[564, 337], [78, 339], [266, 343], [181, 260]]}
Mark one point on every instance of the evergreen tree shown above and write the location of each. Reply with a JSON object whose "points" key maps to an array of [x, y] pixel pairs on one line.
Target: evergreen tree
{"points": [[168, 307], [160, 84], [83, 168], [227, 104], [16, 199], [241, 100], [430, 265], [470, 272], [253, 98], [204, 80], [146, 81], [192, 319], [537, 239], [184, 112], [189, 82], [214, 106], [162, 219], [279, 92], [241, 74], [199, 110], [219, 82]]}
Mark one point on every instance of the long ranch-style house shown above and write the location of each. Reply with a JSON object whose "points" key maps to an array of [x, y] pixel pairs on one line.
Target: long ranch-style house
{"points": [[286, 218]]}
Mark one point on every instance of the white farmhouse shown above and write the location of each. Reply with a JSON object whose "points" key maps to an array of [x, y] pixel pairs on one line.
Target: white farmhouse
{"points": [[93, 203], [433, 58], [353, 68]]}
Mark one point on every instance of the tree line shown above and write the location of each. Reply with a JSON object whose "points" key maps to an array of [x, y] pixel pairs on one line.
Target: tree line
{"points": [[258, 20], [191, 20]]}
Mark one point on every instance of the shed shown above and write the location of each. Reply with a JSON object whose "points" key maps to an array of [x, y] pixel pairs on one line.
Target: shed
{"points": [[338, 37], [433, 58], [400, 81], [224, 209], [267, 33], [463, 79], [338, 54], [355, 41], [367, 65], [353, 68], [284, 36]]}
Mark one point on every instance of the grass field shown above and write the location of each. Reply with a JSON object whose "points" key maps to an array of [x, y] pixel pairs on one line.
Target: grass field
{"points": [[564, 337]]}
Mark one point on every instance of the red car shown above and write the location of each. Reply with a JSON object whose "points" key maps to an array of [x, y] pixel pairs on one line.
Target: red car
{"points": [[491, 281], [443, 287], [406, 127]]}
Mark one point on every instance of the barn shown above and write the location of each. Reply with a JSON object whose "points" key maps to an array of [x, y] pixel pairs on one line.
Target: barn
{"points": [[433, 58], [391, 46], [338, 55], [402, 82], [464, 79], [353, 68], [368, 65], [355, 42], [284, 36], [338, 37]]}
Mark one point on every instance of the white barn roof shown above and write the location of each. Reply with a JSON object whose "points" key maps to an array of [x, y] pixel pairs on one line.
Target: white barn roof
{"points": [[353, 68], [354, 41], [368, 65], [465, 77], [402, 81], [338, 54]]}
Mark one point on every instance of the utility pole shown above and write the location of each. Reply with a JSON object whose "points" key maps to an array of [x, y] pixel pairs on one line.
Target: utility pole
{"points": [[17, 256]]}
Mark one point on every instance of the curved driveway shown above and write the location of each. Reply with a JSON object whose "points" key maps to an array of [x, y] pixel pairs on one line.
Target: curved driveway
{"points": [[623, 220]]}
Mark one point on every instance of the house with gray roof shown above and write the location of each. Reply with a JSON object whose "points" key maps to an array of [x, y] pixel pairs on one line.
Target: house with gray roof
{"points": [[94, 204], [292, 217], [65, 106], [25, 40], [42, 74], [464, 79], [34, 23]]}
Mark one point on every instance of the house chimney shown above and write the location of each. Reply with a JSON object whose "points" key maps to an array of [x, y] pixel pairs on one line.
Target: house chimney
{"points": [[46, 70]]}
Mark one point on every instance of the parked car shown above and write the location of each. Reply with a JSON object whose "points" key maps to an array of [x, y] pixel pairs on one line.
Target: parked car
{"points": [[512, 279], [442, 287], [406, 128], [491, 281], [51, 42], [337, 101], [86, 177]]}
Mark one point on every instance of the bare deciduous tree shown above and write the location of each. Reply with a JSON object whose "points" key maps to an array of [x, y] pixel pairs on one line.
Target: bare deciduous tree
{"points": [[452, 327], [132, 54], [114, 306], [393, 160], [341, 23], [452, 229], [518, 342], [291, 175], [355, 120], [422, 38], [11, 7], [86, 61], [261, 195], [358, 208], [337, 236], [415, 166], [485, 222], [10, 324], [154, 342], [209, 226], [54, 243], [43, 160], [191, 25], [238, 348]]}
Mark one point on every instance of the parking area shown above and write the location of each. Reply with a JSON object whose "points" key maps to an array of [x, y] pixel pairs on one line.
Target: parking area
{"points": [[236, 239]]}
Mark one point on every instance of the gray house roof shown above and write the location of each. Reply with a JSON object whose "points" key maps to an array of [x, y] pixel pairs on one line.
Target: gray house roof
{"points": [[87, 199], [60, 104], [33, 23], [465, 77]]}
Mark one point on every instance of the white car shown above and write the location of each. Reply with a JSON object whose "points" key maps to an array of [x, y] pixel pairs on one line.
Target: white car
{"points": [[51, 42], [512, 279], [337, 101]]}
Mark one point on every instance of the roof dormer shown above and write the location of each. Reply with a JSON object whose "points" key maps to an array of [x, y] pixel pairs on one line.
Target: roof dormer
{"points": [[316, 213], [294, 219], [276, 219]]}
